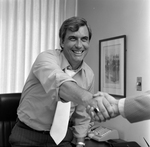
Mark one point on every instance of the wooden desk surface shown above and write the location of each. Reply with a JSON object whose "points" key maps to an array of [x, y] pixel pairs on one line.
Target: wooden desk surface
{"points": [[92, 143]]}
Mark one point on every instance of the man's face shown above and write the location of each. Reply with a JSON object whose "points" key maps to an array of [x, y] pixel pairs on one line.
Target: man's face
{"points": [[75, 46]]}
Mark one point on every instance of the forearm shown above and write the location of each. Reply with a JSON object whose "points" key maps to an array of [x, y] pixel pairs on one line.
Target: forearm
{"points": [[136, 108], [70, 91]]}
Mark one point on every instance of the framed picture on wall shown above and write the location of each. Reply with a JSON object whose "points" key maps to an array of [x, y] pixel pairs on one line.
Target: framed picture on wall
{"points": [[112, 66]]}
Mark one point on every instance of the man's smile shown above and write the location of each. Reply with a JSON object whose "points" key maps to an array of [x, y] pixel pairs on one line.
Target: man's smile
{"points": [[78, 52]]}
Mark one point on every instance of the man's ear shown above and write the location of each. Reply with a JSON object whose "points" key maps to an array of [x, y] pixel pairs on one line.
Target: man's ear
{"points": [[61, 43]]}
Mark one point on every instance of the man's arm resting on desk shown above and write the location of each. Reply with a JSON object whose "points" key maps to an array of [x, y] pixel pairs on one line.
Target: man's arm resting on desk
{"points": [[80, 142]]}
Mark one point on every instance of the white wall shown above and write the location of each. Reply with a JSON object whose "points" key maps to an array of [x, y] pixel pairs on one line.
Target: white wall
{"points": [[110, 18]]}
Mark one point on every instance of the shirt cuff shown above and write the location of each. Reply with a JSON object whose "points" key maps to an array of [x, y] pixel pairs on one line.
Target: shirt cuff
{"points": [[121, 106]]}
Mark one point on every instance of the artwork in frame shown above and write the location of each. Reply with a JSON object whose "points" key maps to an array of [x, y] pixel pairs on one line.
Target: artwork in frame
{"points": [[112, 66]]}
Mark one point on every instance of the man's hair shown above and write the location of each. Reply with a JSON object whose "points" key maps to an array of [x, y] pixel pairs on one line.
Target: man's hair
{"points": [[73, 24]]}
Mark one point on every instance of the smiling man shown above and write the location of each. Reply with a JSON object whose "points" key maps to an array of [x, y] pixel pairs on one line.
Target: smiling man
{"points": [[58, 75], [76, 45]]}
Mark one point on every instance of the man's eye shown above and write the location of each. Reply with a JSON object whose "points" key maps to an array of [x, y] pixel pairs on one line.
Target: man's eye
{"points": [[85, 39], [72, 38]]}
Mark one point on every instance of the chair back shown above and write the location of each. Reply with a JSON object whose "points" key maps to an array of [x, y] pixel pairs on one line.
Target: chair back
{"points": [[8, 113]]}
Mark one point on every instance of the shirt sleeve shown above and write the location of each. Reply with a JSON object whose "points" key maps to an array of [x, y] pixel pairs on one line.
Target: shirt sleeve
{"points": [[137, 107], [121, 106], [48, 71], [82, 118], [81, 122]]}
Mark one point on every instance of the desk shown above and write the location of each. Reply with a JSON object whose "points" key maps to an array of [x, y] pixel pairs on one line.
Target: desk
{"points": [[92, 143]]}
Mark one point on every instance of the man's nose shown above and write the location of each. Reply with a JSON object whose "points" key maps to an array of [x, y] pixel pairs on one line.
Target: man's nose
{"points": [[78, 44]]}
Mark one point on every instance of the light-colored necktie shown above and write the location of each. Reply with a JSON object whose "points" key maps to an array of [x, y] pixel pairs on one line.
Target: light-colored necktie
{"points": [[61, 119]]}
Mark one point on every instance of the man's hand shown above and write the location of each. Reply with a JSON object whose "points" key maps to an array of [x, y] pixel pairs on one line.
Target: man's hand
{"points": [[114, 103], [107, 105]]}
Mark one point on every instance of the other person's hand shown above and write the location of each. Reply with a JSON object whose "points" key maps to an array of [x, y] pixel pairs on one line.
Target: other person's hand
{"points": [[107, 105]]}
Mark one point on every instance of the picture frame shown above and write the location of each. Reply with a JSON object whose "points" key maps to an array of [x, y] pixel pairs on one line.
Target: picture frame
{"points": [[112, 66]]}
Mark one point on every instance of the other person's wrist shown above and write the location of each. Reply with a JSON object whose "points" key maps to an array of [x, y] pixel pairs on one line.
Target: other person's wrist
{"points": [[121, 106]]}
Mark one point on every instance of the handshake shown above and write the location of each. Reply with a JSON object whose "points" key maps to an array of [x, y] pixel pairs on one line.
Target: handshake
{"points": [[103, 107]]}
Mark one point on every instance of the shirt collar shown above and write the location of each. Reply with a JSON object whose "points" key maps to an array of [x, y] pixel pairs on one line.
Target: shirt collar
{"points": [[64, 61]]}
